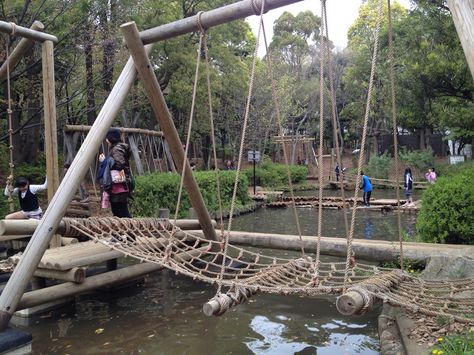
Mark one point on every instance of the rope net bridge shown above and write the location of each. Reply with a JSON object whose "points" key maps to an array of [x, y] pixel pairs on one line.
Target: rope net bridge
{"points": [[246, 273]]}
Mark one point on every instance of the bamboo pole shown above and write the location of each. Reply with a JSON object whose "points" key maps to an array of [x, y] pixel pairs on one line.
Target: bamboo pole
{"points": [[22, 47], [463, 17], [155, 95], [10, 28], [85, 129], [211, 18], [17, 283]]}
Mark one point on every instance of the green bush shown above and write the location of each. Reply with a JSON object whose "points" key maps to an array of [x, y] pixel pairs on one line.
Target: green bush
{"points": [[270, 174], [419, 159], [379, 166], [447, 210], [160, 190]]}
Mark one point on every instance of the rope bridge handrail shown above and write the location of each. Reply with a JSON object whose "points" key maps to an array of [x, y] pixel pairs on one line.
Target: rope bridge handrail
{"points": [[247, 272]]}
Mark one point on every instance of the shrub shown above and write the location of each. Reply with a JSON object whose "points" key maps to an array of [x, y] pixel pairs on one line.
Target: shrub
{"points": [[270, 174], [447, 210], [160, 190], [419, 159], [379, 166]]}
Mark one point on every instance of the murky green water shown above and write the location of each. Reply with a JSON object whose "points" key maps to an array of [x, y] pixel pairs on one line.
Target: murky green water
{"points": [[162, 314]]}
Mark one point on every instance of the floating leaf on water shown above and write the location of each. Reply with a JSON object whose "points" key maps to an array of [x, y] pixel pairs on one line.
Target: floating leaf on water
{"points": [[151, 335], [106, 343], [99, 330]]}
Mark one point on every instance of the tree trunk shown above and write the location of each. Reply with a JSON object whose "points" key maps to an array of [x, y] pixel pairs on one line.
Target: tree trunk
{"points": [[205, 147], [88, 40], [108, 44]]}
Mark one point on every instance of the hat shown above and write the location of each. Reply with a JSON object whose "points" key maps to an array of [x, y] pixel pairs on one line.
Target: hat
{"points": [[113, 135]]}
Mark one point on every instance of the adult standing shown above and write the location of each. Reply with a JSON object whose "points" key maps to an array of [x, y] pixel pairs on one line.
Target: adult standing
{"points": [[366, 186], [117, 179], [30, 208], [408, 186]]}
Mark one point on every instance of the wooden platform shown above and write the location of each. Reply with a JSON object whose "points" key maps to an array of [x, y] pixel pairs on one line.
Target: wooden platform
{"points": [[75, 255]]}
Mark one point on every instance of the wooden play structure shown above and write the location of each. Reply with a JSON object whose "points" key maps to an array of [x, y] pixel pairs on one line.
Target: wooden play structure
{"points": [[207, 254]]}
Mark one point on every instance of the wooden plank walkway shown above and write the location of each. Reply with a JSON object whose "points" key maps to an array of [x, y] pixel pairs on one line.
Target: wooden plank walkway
{"points": [[75, 255]]}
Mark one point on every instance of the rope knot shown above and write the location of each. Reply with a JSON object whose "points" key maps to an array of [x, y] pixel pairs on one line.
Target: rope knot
{"points": [[199, 23]]}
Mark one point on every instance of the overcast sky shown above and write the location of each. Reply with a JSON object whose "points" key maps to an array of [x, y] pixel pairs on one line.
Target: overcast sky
{"points": [[341, 14]]}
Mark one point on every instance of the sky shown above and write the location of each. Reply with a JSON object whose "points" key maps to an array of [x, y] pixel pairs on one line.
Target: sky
{"points": [[341, 14]]}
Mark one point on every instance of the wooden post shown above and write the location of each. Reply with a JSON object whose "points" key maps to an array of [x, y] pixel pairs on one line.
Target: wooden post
{"points": [[50, 130], [463, 17], [157, 101], [18, 281], [169, 158], [23, 46]]}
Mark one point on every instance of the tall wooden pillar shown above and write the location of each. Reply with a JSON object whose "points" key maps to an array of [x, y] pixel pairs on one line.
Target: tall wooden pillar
{"points": [[463, 17], [50, 129]]}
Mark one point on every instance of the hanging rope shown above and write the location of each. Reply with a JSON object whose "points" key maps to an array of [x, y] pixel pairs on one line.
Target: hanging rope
{"points": [[322, 58], [349, 259], [391, 60], [190, 125], [276, 105], [10, 127], [241, 149], [211, 123], [335, 125]]}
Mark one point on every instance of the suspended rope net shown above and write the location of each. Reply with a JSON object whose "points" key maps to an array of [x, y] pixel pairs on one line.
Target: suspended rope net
{"points": [[246, 272]]}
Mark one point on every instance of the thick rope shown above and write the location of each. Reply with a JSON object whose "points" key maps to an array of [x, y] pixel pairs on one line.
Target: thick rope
{"points": [[349, 258], [10, 128], [213, 139], [335, 125], [241, 149], [391, 60], [276, 105], [190, 123], [322, 58]]}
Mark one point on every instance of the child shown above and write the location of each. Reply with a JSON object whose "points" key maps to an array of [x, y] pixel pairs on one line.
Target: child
{"points": [[431, 175], [408, 185], [30, 208], [366, 186]]}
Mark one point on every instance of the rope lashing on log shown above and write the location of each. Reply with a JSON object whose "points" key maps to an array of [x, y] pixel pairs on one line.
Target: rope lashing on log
{"points": [[222, 302]]}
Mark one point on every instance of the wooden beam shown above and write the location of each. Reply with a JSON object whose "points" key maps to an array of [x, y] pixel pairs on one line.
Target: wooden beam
{"points": [[85, 129], [22, 47], [157, 101], [76, 274], [9, 28], [463, 17], [211, 18]]}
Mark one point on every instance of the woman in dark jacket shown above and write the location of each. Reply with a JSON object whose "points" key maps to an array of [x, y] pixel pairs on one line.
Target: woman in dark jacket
{"points": [[117, 176]]}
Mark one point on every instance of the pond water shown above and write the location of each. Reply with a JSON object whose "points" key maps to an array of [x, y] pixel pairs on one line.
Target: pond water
{"points": [[162, 314]]}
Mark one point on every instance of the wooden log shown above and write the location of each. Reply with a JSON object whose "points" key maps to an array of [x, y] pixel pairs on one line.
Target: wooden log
{"points": [[155, 95], [210, 18], [129, 130], [463, 17], [350, 303], [76, 275], [13, 237], [23, 46], [7, 27], [27, 227], [34, 298], [377, 250], [68, 241]]}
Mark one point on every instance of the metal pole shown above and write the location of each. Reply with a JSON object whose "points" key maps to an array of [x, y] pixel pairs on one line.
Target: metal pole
{"points": [[211, 18], [9, 28], [47, 226]]}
